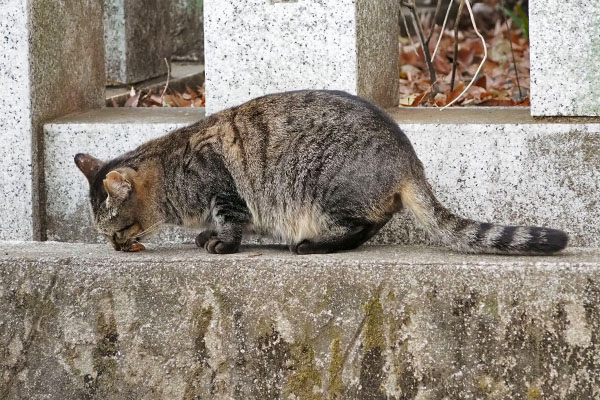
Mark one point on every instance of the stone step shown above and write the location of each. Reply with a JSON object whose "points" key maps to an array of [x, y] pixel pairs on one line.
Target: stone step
{"points": [[489, 164], [82, 321]]}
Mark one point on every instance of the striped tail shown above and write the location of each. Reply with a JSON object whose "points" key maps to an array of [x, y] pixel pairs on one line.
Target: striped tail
{"points": [[469, 236]]}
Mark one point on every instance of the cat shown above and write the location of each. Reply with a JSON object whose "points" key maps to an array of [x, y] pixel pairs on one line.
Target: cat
{"points": [[321, 170]]}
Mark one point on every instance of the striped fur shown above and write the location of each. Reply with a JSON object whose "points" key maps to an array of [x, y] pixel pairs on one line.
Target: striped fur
{"points": [[470, 236], [321, 170]]}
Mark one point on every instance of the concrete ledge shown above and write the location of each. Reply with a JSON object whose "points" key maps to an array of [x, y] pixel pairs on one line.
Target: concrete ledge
{"points": [[83, 321], [479, 116]]}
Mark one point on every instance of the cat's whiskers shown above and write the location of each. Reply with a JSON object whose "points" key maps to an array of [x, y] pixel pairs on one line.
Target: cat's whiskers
{"points": [[149, 229]]}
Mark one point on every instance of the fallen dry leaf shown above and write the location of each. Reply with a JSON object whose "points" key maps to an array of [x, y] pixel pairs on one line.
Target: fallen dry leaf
{"points": [[133, 100], [407, 101], [454, 94], [418, 99]]}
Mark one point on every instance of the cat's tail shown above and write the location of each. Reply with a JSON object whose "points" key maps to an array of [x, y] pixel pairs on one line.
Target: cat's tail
{"points": [[470, 236]]}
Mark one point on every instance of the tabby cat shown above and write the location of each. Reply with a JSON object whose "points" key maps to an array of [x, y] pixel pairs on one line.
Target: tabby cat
{"points": [[321, 170]]}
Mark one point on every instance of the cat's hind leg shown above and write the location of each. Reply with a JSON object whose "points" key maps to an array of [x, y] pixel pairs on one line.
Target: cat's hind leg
{"points": [[346, 237]]}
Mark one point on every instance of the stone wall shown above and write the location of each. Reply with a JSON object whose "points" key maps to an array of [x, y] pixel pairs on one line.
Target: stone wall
{"points": [[51, 64], [258, 47], [565, 49], [378, 323]]}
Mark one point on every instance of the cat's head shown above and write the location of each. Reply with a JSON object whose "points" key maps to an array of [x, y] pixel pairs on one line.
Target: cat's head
{"points": [[122, 202]]}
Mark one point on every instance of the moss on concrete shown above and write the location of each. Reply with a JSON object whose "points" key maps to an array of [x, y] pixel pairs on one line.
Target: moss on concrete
{"points": [[201, 319], [334, 382], [268, 365], [374, 342], [304, 381], [491, 305], [104, 357], [374, 330], [534, 393]]}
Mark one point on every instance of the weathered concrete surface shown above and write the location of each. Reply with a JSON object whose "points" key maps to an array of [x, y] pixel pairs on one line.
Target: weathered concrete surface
{"points": [[105, 134], [51, 58], [85, 322], [137, 39], [187, 31], [565, 48], [257, 47]]}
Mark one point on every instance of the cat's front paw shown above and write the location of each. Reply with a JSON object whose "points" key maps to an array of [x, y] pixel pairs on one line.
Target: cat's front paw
{"points": [[216, 246], [203, 237]]}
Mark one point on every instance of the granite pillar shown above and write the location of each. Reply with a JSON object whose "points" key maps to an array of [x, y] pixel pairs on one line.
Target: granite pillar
{"points": [[257, 47], [565, 49], [137, 36], [51, 58], [187, 30]]}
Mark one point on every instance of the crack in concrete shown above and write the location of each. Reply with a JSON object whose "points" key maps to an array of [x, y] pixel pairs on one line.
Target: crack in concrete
{"points": [[353, 342]]}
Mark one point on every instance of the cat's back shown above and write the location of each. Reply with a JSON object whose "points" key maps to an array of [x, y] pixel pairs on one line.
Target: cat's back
{"points": [[305, 110], [305, 120]]}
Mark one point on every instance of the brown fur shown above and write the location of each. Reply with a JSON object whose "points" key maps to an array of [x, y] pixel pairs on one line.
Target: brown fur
{"points": [[323, 171]]}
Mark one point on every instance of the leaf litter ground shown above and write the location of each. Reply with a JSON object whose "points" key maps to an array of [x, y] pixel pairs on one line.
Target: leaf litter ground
{"points": [[191, 97], [496, 84]]}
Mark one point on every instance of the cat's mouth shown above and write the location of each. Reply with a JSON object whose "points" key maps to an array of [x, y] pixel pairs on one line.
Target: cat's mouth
{"points": [[132, 245], [135, 233]]}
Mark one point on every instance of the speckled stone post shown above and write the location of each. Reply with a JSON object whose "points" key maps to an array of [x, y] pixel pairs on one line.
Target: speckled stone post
{"points": [[187, 30], [16, 218], [51, 58], [257, 47], [565, 49], [137, 36]]}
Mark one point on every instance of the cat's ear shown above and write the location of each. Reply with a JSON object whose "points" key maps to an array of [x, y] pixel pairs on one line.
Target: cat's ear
{"points": [[117, 187], [88, 165]]}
